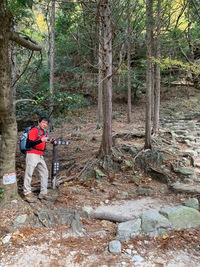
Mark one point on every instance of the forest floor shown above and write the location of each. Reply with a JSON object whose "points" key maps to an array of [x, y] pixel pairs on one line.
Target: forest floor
{"points": [[56, 246]]}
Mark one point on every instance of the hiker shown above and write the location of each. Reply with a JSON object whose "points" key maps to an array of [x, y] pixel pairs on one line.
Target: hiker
{"points": [[36, 143]]}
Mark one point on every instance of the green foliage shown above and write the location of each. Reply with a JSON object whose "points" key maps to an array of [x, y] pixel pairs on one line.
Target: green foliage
{"points": [[19, 8], [70, 119], [63, 102], [76, 50], [19, 4], [167, 62], [137, 80], [57, 121], [1, 193], [195, 32]]}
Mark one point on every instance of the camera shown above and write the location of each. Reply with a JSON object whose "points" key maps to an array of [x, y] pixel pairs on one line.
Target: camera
{"points": [[48, 139]]}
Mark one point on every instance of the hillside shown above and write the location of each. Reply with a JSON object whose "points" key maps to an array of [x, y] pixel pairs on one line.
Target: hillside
{"points": [[40, 241]]}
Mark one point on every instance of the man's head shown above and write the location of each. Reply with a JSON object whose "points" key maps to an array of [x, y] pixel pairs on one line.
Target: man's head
{"points": [[43, 122]]}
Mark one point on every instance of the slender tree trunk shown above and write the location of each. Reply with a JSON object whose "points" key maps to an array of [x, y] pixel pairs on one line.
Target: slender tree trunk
{"points": [[101, 72], [152, 86], [52, 54], [129, 64], [106, 143], [157, 88], [14, 72], [7, 116], [149, 19]]}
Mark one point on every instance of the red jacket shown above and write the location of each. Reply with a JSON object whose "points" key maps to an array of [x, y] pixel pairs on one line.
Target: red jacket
{"points": [[36, 142]]}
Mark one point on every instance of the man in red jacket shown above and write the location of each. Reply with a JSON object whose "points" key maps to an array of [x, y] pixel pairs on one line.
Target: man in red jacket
{"points": [[36, 143]]}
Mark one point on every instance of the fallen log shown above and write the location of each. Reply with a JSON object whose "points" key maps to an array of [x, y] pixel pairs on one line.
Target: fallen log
{"points": [[111, 217]]}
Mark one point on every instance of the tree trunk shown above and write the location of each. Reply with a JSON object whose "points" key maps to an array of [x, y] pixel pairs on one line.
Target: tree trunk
{"points": [[129, 63], [157, 88], [52, 54], [106, 143], [101, 72], [149, 21], [7, 116], [7, 113]]}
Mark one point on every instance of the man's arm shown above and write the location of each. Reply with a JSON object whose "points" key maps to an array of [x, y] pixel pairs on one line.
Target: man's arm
{"points": [[31, 144]]}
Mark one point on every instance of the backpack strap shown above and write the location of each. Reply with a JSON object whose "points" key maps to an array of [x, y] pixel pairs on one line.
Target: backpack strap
{"points": [[39, 135]]}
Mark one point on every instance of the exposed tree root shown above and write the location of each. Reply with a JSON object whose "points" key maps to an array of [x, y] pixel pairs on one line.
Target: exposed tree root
{"points": [[107, 164]]}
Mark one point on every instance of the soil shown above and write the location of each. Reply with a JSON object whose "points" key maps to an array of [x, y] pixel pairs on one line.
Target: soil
{"points": [[59, 246]]}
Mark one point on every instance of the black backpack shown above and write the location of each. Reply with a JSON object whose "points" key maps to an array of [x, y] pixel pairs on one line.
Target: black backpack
{"points": [[24, 138]]}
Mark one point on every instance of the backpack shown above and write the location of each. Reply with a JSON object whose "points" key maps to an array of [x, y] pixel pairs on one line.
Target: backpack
{"points": [[23, 139]]}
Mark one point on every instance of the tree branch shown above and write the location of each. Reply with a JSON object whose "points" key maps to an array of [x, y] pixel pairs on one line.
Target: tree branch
{"points": [[21, 41], [23, 100], [24, 69]]}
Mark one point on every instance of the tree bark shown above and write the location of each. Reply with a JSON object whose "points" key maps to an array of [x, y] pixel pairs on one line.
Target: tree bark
{"points": [[149, 21], [8, 123], [106, 142], [52, 55], [7, 116], [101, 81], [157, 78], [129, 63]]}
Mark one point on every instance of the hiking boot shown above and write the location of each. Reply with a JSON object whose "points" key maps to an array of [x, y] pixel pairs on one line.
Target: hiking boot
{"points": [[30, 198], [45, 197]]}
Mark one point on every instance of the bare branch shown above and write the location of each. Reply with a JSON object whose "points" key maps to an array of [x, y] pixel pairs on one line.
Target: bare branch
{"points": [[23, 100], [24, 69], [21, 41]]}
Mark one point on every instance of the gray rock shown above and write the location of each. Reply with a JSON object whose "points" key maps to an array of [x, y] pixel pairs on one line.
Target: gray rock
{"points": [[128, 229], [124, 195], [115, 246], [133, 150], [182, 217], [99, 174], [197, 150], [88, 209], [155, 223], [176, 128], [137, 258], [187, 142], [185, 172], [190, 137], [99, 233], [191, 152], [178, 187], [191, 125], [6, 239], [192, 203], [20, 219], [144, 191], [188, 181], [181, 132]]}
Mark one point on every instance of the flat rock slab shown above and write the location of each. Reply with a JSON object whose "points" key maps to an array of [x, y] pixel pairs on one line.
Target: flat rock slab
{"points": [[127, 210], [186, 188]]}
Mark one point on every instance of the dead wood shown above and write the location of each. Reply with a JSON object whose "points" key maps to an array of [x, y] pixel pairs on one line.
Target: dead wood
{"points": [[111, 217]]}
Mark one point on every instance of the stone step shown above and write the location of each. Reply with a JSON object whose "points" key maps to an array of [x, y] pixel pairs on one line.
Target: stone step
{"points": [[193, 188]]}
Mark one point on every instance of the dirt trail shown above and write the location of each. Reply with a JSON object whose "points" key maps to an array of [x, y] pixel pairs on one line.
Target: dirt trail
{"points": [[58, 246]]}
